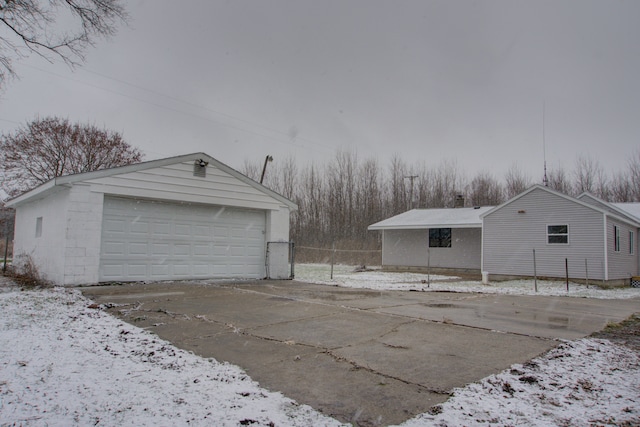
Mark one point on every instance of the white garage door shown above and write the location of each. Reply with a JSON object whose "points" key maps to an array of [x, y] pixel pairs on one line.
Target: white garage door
{"points": [[150, 240]]}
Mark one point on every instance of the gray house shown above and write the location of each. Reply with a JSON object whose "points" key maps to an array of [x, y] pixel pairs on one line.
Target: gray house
{"points": [[435, 238], [597, 239]]}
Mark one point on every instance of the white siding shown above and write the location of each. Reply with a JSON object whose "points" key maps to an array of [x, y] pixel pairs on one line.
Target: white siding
{"points": [[510, 237], [176, 182], [48, 250], [622, 264], [408, 248]]}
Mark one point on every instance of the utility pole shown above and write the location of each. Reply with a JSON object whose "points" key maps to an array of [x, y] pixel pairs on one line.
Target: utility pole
{"points": [[411, 178], [267, 159]]}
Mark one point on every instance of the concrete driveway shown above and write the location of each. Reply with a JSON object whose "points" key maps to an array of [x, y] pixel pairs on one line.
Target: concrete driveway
{"points": [[366, 357]]}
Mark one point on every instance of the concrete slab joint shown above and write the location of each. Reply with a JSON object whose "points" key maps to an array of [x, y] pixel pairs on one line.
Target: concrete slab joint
{"points": [[365, 357]]}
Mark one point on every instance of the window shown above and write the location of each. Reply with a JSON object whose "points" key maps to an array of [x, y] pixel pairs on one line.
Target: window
{"points": [[558, 234], [39, 226], [616, 238], [631, 242], [439, 237]]}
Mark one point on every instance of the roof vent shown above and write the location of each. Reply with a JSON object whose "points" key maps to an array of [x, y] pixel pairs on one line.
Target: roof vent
{"points": [[200, 168]]}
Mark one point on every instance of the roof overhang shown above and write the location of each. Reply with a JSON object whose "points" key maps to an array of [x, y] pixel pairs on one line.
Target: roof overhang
{"points": [[67, 180]]}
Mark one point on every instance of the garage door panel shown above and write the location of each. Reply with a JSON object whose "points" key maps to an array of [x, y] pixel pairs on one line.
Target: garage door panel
{"points": [[144, 240], [201, 269], [139, 227], [138, 248], [160, 249], [201, 231], [136, 271], [181, 249], [161, 228], [113, 248], [181, 270], [220, 232], [201, 250], [182, 230]]}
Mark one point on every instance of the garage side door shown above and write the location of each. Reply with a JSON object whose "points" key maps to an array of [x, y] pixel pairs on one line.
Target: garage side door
{"points": [[150, 240]]}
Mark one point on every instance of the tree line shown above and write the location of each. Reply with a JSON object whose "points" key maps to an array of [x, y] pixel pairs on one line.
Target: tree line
{"points": [[339, 199]]}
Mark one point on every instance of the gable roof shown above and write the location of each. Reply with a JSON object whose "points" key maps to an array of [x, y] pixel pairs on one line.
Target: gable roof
{"points": [[86, 176], [631, 209], [433, 218], [620, 216], [627, 210]]}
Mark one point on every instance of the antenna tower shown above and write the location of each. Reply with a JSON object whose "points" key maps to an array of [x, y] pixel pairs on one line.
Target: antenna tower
{"points": [[545, 180]]}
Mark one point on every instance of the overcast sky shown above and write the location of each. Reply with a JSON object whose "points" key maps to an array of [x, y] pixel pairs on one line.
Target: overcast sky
{"points": [[427, 80]]}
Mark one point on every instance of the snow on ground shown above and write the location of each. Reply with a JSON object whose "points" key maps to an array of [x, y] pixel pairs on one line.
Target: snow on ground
{"points": [[587, 382], [375, 279], [63, 363]]}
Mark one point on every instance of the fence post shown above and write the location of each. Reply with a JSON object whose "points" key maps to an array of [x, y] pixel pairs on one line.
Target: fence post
{"points": [[586, 272], [428, 268], [333, 255], [535, 272], [566, 271], [6, 253], [292, 254]]}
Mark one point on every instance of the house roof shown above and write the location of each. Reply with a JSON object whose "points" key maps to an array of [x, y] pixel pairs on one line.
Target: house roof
{"points": [[79, 177], [433, 218], [622, 217], [632, 209]]}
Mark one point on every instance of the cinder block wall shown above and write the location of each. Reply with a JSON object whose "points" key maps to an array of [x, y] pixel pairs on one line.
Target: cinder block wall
{"points": [[83, 231]]}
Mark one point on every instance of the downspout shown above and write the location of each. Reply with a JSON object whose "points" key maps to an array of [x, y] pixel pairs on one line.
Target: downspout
{"points": [[382, 254], [606, 255], [482, 247]]}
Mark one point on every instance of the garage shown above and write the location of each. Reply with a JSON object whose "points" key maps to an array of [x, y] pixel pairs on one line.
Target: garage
{"points": [[153, 240], [184, 217]]}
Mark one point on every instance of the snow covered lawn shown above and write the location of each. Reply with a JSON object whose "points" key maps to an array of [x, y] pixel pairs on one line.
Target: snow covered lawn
{"points": [[65, 363], [346, 276]]}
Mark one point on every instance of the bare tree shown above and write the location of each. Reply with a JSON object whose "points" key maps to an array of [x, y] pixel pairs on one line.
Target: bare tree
{"points": [[51, 147], [251, 169], [397, 189], [634, 174], [622, 188], [485, 190], [54, 28], [446, 184], [586, 175], [516, 181], [559, 181]]}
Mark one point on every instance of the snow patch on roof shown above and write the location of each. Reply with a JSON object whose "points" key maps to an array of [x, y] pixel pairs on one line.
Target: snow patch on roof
{"points": [[632, 209], [434, 218]]}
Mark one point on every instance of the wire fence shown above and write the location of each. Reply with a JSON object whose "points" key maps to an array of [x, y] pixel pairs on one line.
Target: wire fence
{"points": [[335, 255]]}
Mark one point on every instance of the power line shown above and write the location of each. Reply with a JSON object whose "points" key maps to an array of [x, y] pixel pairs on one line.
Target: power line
{"points": [[288, 141]]}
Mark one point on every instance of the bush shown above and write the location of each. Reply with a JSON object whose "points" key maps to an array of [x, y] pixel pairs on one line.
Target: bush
{"points": [[24, 271]]}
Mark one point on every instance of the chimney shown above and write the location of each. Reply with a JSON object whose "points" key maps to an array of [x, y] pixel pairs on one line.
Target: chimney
{"points": [[459, 202]]}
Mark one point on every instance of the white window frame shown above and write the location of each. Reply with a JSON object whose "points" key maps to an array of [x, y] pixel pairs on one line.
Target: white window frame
{"points": [[631, 242], [557, 234], [616, 238]]}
